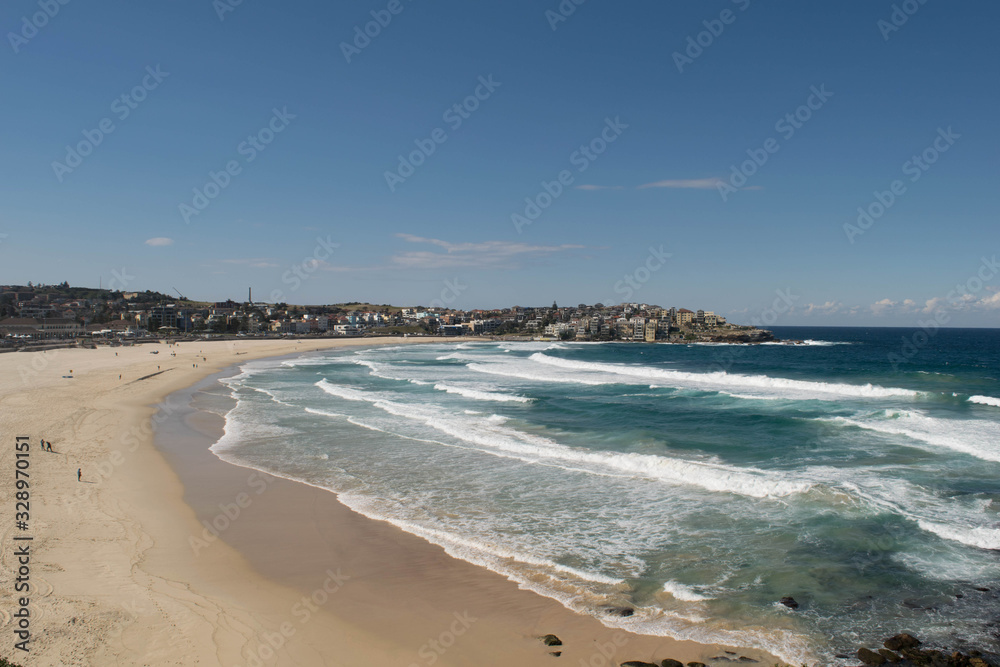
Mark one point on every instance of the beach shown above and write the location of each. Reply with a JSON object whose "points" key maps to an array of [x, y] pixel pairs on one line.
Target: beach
{"points": [[164, 554]]}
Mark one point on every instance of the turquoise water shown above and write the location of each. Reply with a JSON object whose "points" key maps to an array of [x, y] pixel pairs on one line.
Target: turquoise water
{"points": [[696, 483]]}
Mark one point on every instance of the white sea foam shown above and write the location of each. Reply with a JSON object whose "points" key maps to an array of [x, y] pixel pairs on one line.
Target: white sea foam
{"points": [[985, 400], [944, 517], [684, 593], [810, 343], [481, 394], [492, 434], [524, 371], [379, 370], [783, 387], [975, 437], [974, 536]]}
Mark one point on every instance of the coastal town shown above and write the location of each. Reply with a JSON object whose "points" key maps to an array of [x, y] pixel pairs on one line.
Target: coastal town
{"points": [[35, 313]]}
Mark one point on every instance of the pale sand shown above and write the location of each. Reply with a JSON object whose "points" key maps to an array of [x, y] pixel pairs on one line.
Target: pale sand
{"points": [[116, 580]]}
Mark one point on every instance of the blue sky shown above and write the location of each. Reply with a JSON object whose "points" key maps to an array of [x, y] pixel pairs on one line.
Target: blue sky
{"points": [[650, 211]]}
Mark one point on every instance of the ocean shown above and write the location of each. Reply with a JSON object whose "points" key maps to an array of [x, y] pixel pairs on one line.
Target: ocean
{"points": [[697, 484]]}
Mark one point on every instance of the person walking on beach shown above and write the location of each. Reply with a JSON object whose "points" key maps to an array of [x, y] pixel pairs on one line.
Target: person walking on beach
{"points": [[78, 475]]}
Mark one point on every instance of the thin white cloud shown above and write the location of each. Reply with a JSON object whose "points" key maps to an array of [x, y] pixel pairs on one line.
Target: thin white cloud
{"points": [[882, 307], [828, 308], [991, 302], [485, 254], [685, 184], [253, 262], [159, 241]]}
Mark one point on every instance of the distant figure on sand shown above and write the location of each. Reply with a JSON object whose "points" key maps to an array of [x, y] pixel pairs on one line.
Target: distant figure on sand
{"points": [[78, 475]]}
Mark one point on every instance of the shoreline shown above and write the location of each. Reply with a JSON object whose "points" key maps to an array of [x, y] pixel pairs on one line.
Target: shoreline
{"points": [[386, 595]]}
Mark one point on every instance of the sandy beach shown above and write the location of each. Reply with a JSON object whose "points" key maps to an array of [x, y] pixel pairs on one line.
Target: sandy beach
{"points": [[164, 555]]}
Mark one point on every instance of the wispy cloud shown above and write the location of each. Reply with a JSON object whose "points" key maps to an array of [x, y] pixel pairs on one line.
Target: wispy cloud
{"points": [[685, 184], [253, 262], [159, 241], [828, 308], [485, 254]]}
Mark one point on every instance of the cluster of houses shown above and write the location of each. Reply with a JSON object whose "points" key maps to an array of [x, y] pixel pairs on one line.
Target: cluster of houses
{"points": [[45, 313]]}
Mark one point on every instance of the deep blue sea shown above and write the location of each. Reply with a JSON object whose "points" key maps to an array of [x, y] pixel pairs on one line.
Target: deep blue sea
{"points": [[858, 472]]}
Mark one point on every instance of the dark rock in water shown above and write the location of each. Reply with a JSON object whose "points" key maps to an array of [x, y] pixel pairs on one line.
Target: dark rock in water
{"points": [[670, 662], [916, 655], [551, 640], [639, 663], [620, 611], [900, 641], [743, 658], [697, 664], [870, 657], [842, 656], [983, 590], [789, 602], [910, 603], [889, 655], [555, 654]]}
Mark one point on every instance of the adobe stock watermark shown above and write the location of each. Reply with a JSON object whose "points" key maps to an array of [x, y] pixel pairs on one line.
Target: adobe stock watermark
{"points": [[633, 282], [454, 116], [249, 149], [563, 11], [911, 345], [223, 7], [787, 126], [900, 14], [381, 18], [915, 167], [451, 291], [696, 44], [31, 25], [122, 107], [723, 360], [432, 650], [120, 280], [299, 272], [269, 643], [130, 441], [228, 513], [605, 652], [581, 158]]}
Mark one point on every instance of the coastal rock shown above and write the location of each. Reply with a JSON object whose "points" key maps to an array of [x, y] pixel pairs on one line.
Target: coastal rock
{"points": [[789, 602], [869, 657], [620, 611], [696, 664], [916, 656], [551, 640], [901, 641], [889, 655], [670, 662], [555, 654], [639, 663]]}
